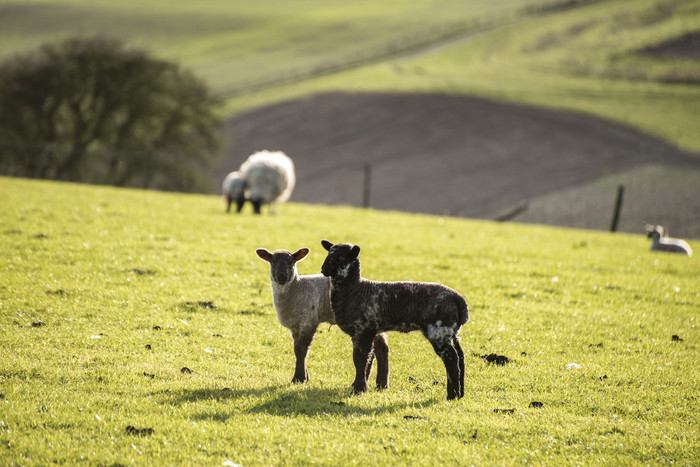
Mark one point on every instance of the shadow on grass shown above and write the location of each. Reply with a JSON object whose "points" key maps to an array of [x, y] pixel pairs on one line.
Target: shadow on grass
{"points": [[289, 400]]}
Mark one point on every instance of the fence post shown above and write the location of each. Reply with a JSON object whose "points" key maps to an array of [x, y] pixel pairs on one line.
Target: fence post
{"points": [[43, 161], [618, 207], [366, 185]]}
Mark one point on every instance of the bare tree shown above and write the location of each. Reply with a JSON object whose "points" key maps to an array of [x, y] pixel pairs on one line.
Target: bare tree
{"points": [[92, 110]]}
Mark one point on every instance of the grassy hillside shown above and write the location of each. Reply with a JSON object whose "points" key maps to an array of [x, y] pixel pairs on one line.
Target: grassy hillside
{"points": [[236, 44], [579, 55], [107, 295], [586, 59]]}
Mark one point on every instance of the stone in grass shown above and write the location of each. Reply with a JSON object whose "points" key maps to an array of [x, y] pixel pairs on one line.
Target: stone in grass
{"points": [[132, 430], [676, 338], [201, 304], [472, 437], [536, 405], [413, 417], [496, 359], [185, 371]]}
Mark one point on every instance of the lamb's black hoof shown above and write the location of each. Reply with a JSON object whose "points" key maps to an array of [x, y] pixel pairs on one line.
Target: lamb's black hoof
{"points": [[359, 389]]}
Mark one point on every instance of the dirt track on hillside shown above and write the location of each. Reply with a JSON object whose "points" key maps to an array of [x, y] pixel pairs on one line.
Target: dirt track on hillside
{"points": [[439, 154]]}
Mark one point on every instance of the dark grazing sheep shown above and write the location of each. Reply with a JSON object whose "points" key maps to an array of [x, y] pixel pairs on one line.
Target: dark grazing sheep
{"points": [[233, 189], [302, 302], [364, 308]]}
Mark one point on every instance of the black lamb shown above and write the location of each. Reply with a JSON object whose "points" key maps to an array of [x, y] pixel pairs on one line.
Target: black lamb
{"points": [[365, 308]]}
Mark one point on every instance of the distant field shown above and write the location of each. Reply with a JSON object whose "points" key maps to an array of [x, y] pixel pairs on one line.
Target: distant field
{"points": [[653, 194], [608, 58], [587, 59], [236, 44], [137, 328], [473, 157]]}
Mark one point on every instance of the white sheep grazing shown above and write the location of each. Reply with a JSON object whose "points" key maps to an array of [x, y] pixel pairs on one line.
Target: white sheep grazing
{"points": [[302, 302], [233, 189], [269, 178], [660, 242]]}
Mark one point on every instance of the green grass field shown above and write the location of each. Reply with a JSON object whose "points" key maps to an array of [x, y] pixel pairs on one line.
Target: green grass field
{"points": [[107, 294], [583, 58]]}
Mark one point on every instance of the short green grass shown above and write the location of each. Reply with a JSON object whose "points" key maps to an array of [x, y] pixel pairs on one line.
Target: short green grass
{"points": [[107, 294]]}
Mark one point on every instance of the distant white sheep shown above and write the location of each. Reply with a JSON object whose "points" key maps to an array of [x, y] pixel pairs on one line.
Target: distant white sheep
{"points": [[266, 177], [302, 302], [661, 242], [233, 189]]}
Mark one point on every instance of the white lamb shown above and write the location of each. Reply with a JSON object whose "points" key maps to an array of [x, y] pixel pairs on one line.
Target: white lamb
{"points": [[233, 189], [269, 178], [661, 242], [302, 302]]}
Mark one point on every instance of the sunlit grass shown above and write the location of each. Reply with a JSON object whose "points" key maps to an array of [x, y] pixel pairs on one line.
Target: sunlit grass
{"points": [[107, 295]]}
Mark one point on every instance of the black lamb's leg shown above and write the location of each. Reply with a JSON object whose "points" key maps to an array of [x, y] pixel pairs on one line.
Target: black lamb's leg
{"points": [[302, 342], [460, 355], [370, 363], [361, 349], [449, 357], [381, 350]]}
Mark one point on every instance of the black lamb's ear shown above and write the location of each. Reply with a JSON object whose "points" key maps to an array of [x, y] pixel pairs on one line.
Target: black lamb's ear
{"points": [[326, 244], [355, 252], [264, 254], [300, 254]]}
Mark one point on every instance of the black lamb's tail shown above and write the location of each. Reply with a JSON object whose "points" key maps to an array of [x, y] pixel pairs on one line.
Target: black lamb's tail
{"points": [[463, 309]]}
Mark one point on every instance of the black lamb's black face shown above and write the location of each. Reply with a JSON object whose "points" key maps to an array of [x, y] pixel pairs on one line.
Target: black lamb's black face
{"points": [[340, 257]]}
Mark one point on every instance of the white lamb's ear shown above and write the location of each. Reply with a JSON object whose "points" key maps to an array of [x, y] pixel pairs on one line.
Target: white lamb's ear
{"points": [[300, 254], [326, 244], [264, 254]]}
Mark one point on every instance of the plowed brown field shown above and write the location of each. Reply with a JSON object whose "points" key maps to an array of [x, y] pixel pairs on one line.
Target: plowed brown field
{"points": [[457, 156]]}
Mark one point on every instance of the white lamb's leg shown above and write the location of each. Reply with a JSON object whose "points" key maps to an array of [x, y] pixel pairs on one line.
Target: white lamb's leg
{"points": [[302, 342]]}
